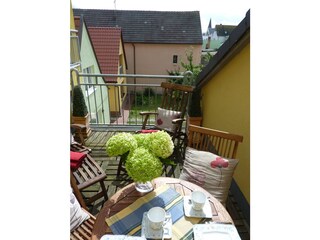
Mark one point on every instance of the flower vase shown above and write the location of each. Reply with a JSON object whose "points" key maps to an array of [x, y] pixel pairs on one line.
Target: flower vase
{"points": [[144, 187]]}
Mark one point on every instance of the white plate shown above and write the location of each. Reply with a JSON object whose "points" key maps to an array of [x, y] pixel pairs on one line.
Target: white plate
{"points": [[205, 212], [215, 231], [148, 232], [120, 237]]}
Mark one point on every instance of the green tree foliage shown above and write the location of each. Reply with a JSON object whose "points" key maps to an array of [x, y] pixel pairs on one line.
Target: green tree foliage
{"points": [[194, 108]]}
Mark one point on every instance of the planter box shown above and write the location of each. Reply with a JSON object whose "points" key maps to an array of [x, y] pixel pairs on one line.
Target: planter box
{"points": [[195, 120], [83, 121]]}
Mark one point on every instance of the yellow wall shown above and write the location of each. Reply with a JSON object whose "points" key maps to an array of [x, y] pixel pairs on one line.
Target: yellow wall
{"points": [[226, 106], [115, 93], [72, 27]]}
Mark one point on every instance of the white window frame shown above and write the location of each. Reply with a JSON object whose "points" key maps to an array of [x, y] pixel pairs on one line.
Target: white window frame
{"points": [[89, 89]]}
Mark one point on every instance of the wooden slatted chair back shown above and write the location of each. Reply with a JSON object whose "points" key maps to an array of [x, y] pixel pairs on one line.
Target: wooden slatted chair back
{"points": [[175, 97], [88, 174], [84, 231], [225, 144]]}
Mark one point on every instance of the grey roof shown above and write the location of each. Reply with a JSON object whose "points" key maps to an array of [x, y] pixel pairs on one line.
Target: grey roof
{"points": [[148, 26], [224, 30]]}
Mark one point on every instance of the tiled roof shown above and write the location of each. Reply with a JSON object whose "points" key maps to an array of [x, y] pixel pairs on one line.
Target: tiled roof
{"points": [[148, 26], [224, 30], [106, 44]]}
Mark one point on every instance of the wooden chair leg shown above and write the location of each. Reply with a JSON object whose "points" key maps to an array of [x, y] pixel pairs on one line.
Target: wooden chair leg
{"points": [[104, 190]]}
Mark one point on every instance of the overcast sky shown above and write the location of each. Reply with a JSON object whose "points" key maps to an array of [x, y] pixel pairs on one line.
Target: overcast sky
{"points": [[228, 12]]}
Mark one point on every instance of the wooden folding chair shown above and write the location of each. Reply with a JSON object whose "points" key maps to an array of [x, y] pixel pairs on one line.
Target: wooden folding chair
{"points": [[77, 143], [221, 143], [84, 231], [88, 174], [175, 97]]}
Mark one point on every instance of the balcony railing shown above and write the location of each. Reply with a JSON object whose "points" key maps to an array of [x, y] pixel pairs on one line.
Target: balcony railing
{"points": [[115, 105]]}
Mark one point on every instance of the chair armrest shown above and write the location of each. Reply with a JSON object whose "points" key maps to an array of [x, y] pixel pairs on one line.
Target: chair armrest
{"points": [[146, 117], [78, 126], [178, 120], [148, 113]]}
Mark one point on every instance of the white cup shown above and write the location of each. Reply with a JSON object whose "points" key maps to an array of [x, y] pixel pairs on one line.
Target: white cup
{"points": [[156, 216], [198, 200]]}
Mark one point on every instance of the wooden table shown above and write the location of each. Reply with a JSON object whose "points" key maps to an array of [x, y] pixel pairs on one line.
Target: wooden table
{"points": [[129, 194]]}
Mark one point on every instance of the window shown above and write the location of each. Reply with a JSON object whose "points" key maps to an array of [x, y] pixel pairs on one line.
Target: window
{"points": [[88, 80], [74, 49], [175, 58]]}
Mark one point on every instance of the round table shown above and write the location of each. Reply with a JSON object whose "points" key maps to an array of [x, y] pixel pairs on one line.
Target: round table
{"points": [[129, 194]]}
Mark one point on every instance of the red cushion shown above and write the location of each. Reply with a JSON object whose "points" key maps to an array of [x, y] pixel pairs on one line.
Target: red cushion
{"points": [[148, 131], [76, 159]]}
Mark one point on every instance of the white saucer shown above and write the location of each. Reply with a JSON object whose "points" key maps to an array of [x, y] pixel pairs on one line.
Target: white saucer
{"points": [[120, 237], [205, 212], [148, 232], [215, 231]]}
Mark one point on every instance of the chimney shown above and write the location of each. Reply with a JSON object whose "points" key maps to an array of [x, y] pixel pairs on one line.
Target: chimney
{"points": [[208, 42]]}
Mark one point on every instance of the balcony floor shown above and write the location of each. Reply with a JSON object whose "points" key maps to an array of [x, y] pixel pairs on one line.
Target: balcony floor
{"points": [[97, 142]]}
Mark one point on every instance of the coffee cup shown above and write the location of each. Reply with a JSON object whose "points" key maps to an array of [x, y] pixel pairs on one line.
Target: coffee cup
{"points": [[198, 200], [156, 217]]}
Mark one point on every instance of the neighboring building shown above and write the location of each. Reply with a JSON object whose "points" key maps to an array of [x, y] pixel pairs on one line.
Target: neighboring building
{"points": [[109, 48], [213, 38], [74, 47], [154, 41], [96, 96], [225, 91]]}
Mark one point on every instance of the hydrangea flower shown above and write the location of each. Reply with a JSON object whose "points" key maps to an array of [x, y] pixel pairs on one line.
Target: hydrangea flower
{"points": [[142, 140], [120, 144], [160, 144], [143, 154], [143, 166]]}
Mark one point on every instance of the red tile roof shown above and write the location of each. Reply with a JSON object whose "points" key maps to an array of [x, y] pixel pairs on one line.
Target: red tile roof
{"points": [[106, 44]]}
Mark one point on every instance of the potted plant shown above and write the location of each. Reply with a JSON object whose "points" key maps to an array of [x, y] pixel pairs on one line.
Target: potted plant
{"points": [[144, 155], [80, 111]]}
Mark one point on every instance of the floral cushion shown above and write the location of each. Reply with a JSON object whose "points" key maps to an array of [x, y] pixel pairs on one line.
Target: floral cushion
{"points": [[209, 171], [165, 117]]}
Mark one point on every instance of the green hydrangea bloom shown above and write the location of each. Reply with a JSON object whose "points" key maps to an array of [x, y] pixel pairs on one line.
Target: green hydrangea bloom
{"points": [[143, 166], [160, 144], [121, 143], [142, 140]]}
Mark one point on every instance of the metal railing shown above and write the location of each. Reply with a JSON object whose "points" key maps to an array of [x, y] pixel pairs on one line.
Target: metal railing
{"points": [[114, 104]]}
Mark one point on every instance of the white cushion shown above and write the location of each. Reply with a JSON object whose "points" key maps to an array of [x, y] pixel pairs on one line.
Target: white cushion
{"points": [[200, 167], [77, 215], [165, 117]]}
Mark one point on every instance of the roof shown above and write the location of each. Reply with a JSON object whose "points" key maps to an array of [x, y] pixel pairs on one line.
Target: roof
{"points": [[148, 26], [106, 44], [80, 23], [214, 43], [237, 35], [224, 30]]}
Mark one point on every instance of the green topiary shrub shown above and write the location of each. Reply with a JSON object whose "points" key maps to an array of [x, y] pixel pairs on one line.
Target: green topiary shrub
{"points": [[79, 105]]}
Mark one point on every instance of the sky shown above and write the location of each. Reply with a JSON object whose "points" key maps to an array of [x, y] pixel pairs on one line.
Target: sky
{"points": [[227, 12]]}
